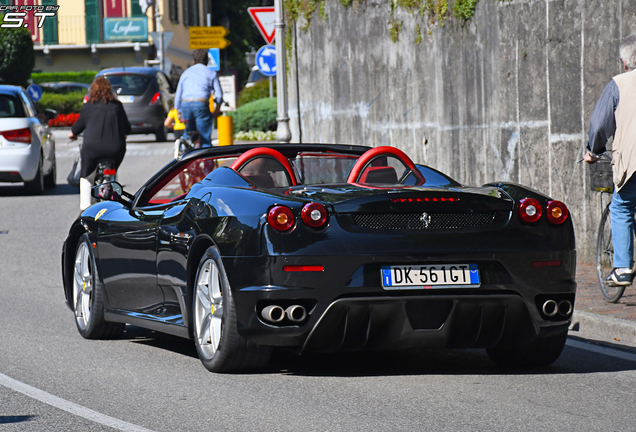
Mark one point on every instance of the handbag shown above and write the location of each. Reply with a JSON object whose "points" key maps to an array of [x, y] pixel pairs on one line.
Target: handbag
{"points": [[73, 178]]}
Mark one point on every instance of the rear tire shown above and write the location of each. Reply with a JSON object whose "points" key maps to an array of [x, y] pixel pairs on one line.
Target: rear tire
{"points": [[214, 327], [541, 352], [50, 180], [36, 186], [162, 134], [88, 298], [605, 259]]}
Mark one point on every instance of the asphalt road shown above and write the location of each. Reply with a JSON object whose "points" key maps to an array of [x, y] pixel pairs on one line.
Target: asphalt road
{"points": [[53, 380]]}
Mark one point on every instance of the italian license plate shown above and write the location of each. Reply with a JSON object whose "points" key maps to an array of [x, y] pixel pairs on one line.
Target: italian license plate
{"points": [[430, 276], [126, 99]]}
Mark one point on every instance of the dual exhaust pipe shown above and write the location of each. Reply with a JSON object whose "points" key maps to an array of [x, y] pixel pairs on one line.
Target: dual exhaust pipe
{"points": [[551, 308], [275, 314]]}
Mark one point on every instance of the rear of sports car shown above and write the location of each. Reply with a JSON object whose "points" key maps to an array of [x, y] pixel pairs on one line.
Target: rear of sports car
{"points": [[351, 268]]}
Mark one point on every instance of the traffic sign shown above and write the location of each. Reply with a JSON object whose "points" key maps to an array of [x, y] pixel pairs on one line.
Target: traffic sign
{"points": [[264, 18], [208, 32], [35, 92], [266, 60], [206, 43], [214, 59]]}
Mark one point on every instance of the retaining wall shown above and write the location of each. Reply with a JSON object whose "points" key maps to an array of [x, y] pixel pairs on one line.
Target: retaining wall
{"points": [[506, 96]]}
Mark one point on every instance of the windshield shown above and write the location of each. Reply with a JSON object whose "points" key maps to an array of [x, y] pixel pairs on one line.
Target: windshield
{"points": [[322, 168], [129, 84]]}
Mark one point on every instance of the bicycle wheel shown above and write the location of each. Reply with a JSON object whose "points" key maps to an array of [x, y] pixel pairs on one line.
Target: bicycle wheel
{"points": [[605, 259]]}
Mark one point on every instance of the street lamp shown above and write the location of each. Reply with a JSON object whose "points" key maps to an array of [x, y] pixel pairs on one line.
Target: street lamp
{"points": [[250, 57], [283, 133]]}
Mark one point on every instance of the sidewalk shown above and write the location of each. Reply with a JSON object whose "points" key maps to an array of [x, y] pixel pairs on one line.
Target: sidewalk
{"points": [[594, 316]]}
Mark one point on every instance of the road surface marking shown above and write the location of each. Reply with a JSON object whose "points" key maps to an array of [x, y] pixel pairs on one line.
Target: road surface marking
{"points": [[599, 349], [68, 406]]}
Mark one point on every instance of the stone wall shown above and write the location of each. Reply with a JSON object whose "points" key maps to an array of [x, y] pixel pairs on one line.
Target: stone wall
{"points": [[506, 96]]}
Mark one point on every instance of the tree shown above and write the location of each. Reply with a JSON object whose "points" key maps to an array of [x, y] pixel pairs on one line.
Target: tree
{"points": [[17, 58], [243, 33]]}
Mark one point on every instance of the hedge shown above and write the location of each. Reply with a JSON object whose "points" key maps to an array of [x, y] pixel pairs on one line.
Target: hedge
{"points": [[259, 90], [62, 103], [82, 77], [257, 115]]}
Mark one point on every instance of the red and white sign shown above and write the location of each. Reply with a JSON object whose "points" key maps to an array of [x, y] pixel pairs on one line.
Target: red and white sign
{"points": [[114, 8], [264, 18]]}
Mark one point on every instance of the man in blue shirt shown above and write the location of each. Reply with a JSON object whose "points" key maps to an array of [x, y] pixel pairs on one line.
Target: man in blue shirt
{"points": [[196, 85]]}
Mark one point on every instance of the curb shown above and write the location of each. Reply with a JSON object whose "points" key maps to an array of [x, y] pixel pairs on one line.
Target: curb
{"points": [[604, 326]]}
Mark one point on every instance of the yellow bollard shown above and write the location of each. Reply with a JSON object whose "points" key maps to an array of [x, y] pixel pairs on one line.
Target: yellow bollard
{"points": [[226, 130]]}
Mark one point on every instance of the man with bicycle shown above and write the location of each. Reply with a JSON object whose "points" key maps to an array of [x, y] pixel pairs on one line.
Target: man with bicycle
{"points": [[195, 86], [615, 115]]}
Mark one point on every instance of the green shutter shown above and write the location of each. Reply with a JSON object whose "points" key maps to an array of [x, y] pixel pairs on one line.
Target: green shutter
{"points": [[50, 25], [92, 21], [186, 13], [136, 9], [6, 3]]}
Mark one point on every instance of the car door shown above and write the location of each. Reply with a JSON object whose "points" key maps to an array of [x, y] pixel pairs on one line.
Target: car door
{"points": [[127, 246]]}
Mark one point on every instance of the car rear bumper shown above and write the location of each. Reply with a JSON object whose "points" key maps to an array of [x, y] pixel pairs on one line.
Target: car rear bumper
{"points": [[147, 119], [349, 310], [18, 163]]}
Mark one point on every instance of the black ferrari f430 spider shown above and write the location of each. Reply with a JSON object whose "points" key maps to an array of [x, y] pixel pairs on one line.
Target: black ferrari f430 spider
{"points": [[323, 248]]}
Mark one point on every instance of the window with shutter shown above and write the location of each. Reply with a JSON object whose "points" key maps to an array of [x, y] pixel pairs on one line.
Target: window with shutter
{"points": [[174, 11], [92, 21], [136, 9], [49, 28]]}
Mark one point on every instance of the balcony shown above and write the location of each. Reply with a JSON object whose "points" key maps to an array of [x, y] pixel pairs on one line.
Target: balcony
{"points": [[72, 30]]}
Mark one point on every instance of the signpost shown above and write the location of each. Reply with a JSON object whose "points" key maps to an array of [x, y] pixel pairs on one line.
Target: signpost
{"points": [[162, 41], [266, 60], [35, 91], [264, 18], [208, 37], [214, 59], [132, 29]]}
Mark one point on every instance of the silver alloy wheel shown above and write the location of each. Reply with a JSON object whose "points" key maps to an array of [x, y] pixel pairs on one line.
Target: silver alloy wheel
{"points": [[208, 309], [83, 285]]}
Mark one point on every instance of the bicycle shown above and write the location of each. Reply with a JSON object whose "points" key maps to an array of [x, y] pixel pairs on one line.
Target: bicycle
{"points": [[602, 182], [186, 143]]}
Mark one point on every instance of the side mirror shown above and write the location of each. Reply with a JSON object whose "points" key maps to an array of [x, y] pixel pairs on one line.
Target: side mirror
{"points": [[110, 191]]}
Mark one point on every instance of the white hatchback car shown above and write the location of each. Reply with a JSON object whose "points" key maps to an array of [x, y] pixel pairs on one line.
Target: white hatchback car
{"points": [[27, 147]]}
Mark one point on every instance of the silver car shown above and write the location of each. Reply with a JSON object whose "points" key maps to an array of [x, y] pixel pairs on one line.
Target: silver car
{"points": [[27, 147]]}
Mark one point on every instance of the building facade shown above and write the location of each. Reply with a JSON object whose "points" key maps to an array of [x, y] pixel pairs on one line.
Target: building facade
{"points": [[96, 34]]}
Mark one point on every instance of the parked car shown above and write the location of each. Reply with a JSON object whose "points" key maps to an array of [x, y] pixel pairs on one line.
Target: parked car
{"points": [[145, 93], [27, 147], [324, 248], [65, 87], [254, 77]]}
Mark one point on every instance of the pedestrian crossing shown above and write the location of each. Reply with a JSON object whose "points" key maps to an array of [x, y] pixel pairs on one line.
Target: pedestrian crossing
{"points": [[73, 152]]}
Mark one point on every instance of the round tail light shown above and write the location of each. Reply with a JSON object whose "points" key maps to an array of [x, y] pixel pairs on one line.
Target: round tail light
{"points": [[529, 210], [280, 218], [314, 215], [556, 212]]}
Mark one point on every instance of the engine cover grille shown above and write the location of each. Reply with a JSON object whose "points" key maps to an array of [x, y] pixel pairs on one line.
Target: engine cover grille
{"points": [[422, 220]]}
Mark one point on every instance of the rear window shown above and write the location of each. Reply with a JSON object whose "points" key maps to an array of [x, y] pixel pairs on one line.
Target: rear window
{"points": [[129, 84], [10, 107]]}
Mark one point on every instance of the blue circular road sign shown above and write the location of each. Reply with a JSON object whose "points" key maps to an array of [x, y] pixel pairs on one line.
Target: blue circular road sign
{"points": [[35, 92], [266, 60]]}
